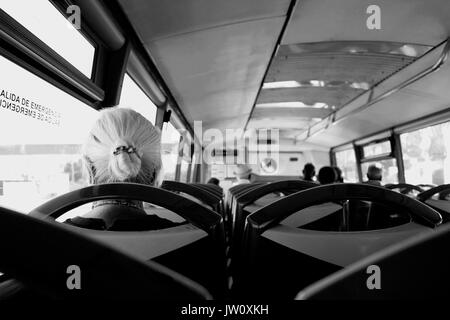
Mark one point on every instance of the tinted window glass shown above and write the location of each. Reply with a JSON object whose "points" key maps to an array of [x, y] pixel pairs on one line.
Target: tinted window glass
{"points": [[390, 170], [346, 161], [41, 132], [377, 149], [170, 140], [42, 19], [426, 155], [134, 98]]}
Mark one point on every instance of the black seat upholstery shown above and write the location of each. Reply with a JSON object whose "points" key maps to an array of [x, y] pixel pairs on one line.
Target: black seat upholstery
{"points": [[206, 196], [196, 249], [404, 188], [215, 189], [233, 192], [249, 196], [38, 253], [279, 260], [417, 268], [441, 204]]}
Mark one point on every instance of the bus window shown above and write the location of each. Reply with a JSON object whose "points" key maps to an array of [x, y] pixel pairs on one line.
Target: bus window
{"points": [[42, 19], [184, 171], [170, 139], [377, 149], [346, 161], [134, 98], [41, 131], [390, 170], [426, 155]]}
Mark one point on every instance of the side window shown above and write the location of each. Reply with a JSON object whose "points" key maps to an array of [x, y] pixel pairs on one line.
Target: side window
{"points": [[170, 139], [41, 132], [346, 161], [380, 153], [134, 98], [184, 171], [389, 167], [42, 19], [426, 155], [185, 158]]}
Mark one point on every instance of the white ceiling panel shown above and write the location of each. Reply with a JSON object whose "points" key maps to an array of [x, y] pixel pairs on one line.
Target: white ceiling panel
{"points": [[155, 19], [215, 73], [407, 21]]}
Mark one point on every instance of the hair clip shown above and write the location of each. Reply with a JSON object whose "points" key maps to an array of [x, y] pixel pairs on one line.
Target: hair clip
{"points": [[124, 149]]}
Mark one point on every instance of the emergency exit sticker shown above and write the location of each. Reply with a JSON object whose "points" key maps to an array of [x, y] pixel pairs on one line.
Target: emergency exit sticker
{"points": [[12, 102]]}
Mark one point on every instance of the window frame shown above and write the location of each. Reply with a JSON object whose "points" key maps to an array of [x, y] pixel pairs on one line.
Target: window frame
{"points": [[379, 157], [430, 120], [146, 95], [333, 160], [395, 153], [421, 124], [25, 49]]}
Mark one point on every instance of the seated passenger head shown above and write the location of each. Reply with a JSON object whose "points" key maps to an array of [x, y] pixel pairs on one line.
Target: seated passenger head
{"points": [[339, 177], [123, 146], [375, 172], [309, 171], [213, 181], [326, 175], [242, 171]]}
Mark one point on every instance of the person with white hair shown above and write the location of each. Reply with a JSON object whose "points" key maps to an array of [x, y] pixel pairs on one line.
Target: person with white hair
{"points": [[242, 173], [374, 174], [122, 146]]}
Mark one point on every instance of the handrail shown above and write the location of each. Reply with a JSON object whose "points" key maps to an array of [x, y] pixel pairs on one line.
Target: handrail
{"points": [[435, 67]]}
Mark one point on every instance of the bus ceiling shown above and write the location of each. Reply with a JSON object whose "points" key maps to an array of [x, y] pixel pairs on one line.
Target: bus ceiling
{"points": [[255, 63], [250, 64]]}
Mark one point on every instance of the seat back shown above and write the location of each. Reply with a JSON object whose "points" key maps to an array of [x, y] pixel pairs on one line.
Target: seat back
{"points": [[404, 188], [215, 189], [230, 199], [279, 260], [41, 263], [193, 257], [416, 268], [441, 204], [199, 193], [185, 249], [249, 196]]}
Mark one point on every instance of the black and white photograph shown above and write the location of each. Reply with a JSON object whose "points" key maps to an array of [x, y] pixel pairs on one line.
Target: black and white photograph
{"points": [[224, 159]]}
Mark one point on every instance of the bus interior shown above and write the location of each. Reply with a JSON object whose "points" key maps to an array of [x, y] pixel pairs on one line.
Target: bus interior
{"points": [[305, 148]]}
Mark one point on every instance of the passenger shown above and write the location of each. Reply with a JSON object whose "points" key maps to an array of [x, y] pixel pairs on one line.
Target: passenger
{"points": [[122, 146], [339, 177], [242, 174], [374, 175], [309, 171], [326, 175], [213, 181]]}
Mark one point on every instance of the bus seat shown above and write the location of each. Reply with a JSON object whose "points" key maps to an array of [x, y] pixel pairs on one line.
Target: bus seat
{"points": [[217, 190], [443, 206], [311, 214], [194, 252], [196, 193], [251, 195], [424, 257], [185, 249], [442, 203], [279, 260], [405, 188], [40, 263]]}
